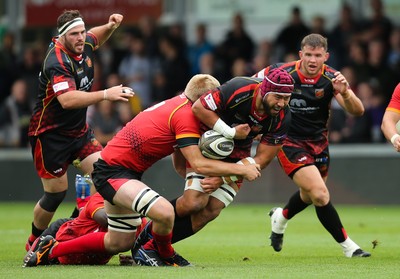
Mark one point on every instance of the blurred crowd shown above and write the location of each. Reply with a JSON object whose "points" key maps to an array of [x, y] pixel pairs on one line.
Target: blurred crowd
{"points": [[157, 61]]}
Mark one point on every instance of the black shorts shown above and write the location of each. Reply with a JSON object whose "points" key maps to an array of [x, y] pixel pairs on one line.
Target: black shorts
{"points": [[296, 154], [53, 153], [108, 179]]}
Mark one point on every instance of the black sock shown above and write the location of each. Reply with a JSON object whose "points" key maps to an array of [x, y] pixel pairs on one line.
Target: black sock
{"points": [[182, 226], [295, 205], [329, 218], [75, 213], [35, 231]]}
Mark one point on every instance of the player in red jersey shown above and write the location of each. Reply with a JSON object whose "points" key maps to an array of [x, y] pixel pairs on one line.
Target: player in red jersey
{"points": [[305, 155], [163, 129], [92, 218], [389, 126], [58, 132], [260, 106]]}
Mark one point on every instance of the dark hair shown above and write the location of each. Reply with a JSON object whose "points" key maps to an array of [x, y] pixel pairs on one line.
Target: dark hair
{"points": [[66, 16], [315, 40]]}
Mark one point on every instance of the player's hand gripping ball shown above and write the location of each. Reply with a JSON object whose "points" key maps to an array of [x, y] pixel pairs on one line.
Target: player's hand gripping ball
{"points": [[213, 145]]}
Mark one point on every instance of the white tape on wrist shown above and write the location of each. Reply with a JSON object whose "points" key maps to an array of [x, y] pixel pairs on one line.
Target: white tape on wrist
{"points": [[221, 127], [393, 138]]}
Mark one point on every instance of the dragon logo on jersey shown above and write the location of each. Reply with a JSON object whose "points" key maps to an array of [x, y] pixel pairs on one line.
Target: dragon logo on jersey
{"points": [[319, 93]]}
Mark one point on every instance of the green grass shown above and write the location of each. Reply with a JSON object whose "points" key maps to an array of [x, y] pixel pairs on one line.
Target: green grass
{"points": [[235, 245]]}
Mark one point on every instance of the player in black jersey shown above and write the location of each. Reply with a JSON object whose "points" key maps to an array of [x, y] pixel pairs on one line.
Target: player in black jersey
{"points": [[241, 108], [58, 132], [305, 154]]}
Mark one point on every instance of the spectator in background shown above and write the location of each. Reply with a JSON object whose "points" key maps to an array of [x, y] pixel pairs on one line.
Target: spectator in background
{"points": [[200, 47], [358, 56], [105, 122], [378, 26], [28, 69], [290, 36], [174, 70], [237, 44], [341, 36], [15, 113], [148, 27], [136, 70], [394, 51], [8, 64], [380, 75]]}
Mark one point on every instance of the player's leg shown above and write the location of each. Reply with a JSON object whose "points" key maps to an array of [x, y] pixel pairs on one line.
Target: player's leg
{"points": [[192, 201], [313, 188]]}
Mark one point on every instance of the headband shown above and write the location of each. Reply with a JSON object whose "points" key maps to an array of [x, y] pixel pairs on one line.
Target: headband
{"points": [[69, 25]]}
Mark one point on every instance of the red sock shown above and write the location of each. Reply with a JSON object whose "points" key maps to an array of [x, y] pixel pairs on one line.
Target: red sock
{"points": [[163, 243], [89, 243]]}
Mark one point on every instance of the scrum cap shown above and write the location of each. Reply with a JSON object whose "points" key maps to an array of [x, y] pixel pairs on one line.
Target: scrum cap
{"points": [[277, 81]]}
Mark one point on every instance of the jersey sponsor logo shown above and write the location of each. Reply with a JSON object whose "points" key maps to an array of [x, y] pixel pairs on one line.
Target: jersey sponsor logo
{"points": [[309, 80], [84, 81], [79, 71], [319, 93], [210, 101], [298, 103], [60, 86]]}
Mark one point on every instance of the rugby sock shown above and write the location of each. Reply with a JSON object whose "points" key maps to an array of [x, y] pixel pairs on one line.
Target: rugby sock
{"points": [[35, 232], [163, 243], [294, 206], [75, 213], [329, 218], [89, 243], [182, 226]]}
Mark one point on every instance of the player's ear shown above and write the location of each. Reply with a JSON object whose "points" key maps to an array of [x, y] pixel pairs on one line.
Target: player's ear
{"points": [[326, 56]]}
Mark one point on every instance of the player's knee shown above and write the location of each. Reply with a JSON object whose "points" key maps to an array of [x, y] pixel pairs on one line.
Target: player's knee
{"points": [[51, 201], [193, 205], [320, 198]]}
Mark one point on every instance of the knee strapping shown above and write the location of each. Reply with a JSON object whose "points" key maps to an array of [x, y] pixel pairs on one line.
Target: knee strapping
{"points": [[126, 223], [144, 201], [225, 194], [51, 201]]}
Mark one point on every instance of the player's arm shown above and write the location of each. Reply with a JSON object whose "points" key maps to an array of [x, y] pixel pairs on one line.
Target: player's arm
{"points": [[346, 97], [389, 121], [179, 162], [265, 154], [213, 121], [103, 32], [210, 167], [75, 99]]}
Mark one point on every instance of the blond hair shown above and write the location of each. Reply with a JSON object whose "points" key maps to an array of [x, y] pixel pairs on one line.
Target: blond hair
{"points": [[200, 84]]}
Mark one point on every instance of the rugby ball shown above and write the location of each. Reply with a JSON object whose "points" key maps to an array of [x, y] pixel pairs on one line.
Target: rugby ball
{"points": [[213, 145]]}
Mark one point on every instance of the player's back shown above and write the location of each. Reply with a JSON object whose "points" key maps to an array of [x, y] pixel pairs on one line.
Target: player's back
{"points": [[152, 134]]}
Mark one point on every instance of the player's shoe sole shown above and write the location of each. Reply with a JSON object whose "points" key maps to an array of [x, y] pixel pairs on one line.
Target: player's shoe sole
{"points": [[360, 253]]}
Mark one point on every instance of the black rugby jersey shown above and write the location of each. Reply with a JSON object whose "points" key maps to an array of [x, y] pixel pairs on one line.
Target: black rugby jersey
{"points": [[310, 101], [63, 71], [234, 102]]}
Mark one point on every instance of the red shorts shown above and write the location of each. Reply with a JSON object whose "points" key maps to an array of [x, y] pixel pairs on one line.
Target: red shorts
{"points": [[296, 154], [53, 153]]}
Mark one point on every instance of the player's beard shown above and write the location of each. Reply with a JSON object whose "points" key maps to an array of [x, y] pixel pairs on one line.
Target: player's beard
{"points": [[270, 110]]}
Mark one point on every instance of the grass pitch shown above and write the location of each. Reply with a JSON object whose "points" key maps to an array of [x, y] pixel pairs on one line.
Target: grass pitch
{"points": [[235, 245]]}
